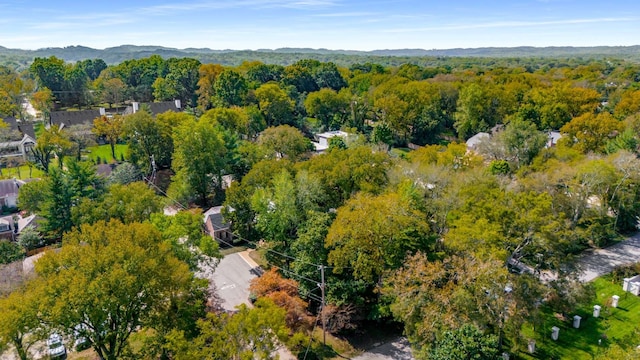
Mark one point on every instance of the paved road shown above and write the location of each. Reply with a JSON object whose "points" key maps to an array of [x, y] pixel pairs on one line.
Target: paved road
{"points": [[595, 263], [231, 278], [398, 349]]}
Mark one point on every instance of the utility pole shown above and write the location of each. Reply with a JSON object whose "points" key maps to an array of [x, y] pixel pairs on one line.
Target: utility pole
{"points": [[324, 325]]}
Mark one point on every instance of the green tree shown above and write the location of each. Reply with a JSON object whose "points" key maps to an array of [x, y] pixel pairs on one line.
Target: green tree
{"points": [[183, 232], [19, 322], [42, 101], [208, 75], [590, 132], [111, 128], [112, 91], [133, 202], [124, 174], [373, 234], [149, 141], [277, 216], [139, 76], [111, 278], [239, 195], [92, 67], [309, 248], [299, 75], [499, 167], [183, 75], [164, 90], [29, 238], [230, 89], [328, 106], [477, 110], [433, 297], [80, 137], [234, 119], [275, 104], [13, 88], [49, 73], [343, 173], [465, 343], [519, 143], [327, 75], [52, 142], [285, 141], [10, 252], [32, 195], [250, 333], [199, 161], [57, 205], [75, 89], [260, 73]]}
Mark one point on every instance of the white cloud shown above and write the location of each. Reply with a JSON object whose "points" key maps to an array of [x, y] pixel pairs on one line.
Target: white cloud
{"points": [[228, 4], [346, 14], [510, 24]]}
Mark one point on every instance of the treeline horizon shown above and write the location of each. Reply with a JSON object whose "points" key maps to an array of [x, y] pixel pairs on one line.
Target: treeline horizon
{"points": [[20, 58]]}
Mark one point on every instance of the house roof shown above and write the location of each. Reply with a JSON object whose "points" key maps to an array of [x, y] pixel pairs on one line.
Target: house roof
{"points": [[24, 127], [319, 147], [69, 118], [26, 221], [156, 107], [105, 169], [330, 134], [554, 136], [9, 187], [215, 216]]}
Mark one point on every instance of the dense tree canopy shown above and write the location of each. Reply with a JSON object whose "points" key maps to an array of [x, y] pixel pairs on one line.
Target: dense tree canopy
{"points": [[407, 221], [100, 269]]}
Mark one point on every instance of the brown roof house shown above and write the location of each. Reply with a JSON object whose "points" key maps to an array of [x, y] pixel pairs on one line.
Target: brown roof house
{"points": [[216, 226]]}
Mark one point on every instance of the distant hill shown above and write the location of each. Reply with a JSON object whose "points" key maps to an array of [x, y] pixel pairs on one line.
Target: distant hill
{"points": [[284, 56]]}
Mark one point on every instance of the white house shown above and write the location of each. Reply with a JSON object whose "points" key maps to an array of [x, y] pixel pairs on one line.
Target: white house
{"points": [[322, 143]]}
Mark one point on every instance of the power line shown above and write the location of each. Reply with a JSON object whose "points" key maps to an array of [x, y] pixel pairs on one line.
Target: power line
{"points": [[315, 324]]}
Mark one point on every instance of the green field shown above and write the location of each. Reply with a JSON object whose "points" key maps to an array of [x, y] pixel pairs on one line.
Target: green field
{"points": [[615, 325], [104, 152], [21, 172]]}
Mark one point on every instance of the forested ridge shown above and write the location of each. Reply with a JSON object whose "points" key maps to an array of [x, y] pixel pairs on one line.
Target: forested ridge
{"points": [[433, 239], [18, 58]]}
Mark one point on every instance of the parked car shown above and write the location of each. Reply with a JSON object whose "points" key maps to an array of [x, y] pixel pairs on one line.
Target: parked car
{"points": [[56, 348]]}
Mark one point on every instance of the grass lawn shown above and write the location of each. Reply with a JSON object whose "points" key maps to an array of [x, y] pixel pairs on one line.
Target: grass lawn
{"points": [[615, 325], [104, 152], [232, 250], [38, 128], [400, 152], [21, 172]]}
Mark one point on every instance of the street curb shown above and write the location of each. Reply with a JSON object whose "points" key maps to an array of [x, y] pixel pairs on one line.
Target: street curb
{"points": [[245, 256]]}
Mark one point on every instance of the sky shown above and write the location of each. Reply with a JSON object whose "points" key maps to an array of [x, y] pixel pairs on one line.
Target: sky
{"points": [[329, 24]]}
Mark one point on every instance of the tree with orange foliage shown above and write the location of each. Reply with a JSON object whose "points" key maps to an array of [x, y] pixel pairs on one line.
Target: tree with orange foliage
{"points": [[284, 293]]}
